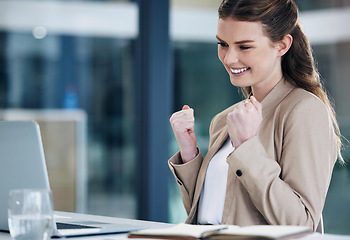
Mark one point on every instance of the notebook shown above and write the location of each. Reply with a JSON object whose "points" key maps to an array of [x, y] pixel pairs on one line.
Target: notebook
{"points": [[184, 231], [22, 165]]}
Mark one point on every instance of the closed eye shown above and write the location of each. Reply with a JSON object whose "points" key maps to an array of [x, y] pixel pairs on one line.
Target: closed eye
{"points": [[223, 44], [244, 47]]}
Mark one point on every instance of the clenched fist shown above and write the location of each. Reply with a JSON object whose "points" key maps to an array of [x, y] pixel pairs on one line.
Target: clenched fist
{"points": [[244, 121], [182, 123]]}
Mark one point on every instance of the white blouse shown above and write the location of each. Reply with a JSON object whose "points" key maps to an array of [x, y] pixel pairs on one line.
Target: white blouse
{"points": [[212, 198]]}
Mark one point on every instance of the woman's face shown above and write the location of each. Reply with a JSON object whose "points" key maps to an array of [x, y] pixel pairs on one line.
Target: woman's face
{"points": [[250, 58]]}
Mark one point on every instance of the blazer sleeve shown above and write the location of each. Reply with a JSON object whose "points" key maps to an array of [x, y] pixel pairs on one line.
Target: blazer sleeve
{"points": [[291, 190], [186, 176]]}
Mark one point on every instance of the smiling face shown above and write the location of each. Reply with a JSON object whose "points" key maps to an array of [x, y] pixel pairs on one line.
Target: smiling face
{"points": [[250, 58]]}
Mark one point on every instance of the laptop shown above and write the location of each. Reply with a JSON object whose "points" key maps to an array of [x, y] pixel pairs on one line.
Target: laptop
{"points": [[22, 165]]}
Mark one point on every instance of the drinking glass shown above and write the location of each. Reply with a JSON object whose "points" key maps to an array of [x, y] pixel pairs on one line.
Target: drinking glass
{"points": [[30, 214]]}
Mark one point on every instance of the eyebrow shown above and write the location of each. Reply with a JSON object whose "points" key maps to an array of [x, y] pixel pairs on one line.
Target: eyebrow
{"points": [[244, 41], [238, 42]]}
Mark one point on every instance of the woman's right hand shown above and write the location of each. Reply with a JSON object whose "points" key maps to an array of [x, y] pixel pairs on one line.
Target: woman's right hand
{"points": [[182, 123]]}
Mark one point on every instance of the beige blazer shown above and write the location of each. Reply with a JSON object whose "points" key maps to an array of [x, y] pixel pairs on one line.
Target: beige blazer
{"points": [[282, 175]]}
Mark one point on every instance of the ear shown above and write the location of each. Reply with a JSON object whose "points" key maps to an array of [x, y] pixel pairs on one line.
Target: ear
{"points": [[284, 45]]}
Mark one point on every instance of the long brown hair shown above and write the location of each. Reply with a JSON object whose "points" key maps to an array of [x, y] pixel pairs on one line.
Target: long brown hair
{"points": [[279, 18]]}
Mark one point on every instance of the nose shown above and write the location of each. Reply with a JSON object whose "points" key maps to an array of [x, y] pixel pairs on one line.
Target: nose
{"points": [[231, 56]]}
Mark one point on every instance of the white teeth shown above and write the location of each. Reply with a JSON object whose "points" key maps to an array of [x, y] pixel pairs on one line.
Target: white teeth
{"points": [[235, 71]]}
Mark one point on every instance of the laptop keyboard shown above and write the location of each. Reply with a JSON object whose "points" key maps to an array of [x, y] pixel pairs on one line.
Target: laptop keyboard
{"points": [[64, 226]]}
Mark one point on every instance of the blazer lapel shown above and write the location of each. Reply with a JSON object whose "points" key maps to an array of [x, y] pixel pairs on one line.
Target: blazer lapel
{"points": [[275, 97], [269, 103]]}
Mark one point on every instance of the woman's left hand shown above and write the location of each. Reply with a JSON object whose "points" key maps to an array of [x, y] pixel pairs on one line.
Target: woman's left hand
{"points": [[244, 121]]}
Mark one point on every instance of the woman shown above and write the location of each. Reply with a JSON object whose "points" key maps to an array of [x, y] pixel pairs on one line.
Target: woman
{"points": [[270, 157]]}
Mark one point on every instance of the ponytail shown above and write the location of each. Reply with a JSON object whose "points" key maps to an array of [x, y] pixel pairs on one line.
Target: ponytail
{"points": [[299, 68]]}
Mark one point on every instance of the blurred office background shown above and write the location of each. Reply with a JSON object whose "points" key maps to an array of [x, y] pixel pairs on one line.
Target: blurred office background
{"points": [[103, 77]]}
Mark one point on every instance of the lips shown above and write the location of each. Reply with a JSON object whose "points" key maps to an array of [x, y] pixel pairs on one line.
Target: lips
{"points": [[239, 70]]}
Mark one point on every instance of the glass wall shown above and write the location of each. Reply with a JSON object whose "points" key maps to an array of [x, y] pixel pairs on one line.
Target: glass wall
{"points": [[321, 4], [89, 73], [58, 58], [333, 60]]}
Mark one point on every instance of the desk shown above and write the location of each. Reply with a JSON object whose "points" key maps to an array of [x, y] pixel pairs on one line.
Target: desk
{"points": [[149, 224]]}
